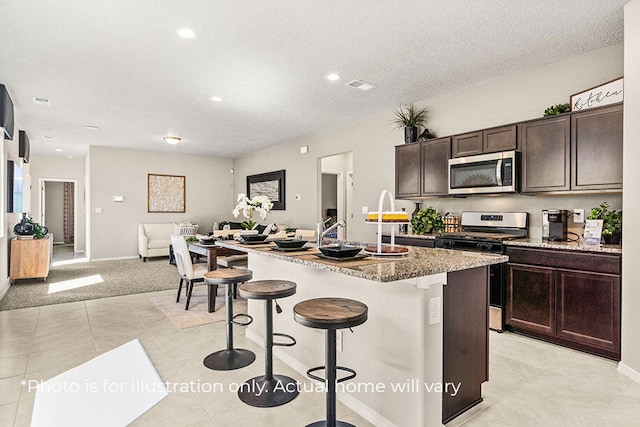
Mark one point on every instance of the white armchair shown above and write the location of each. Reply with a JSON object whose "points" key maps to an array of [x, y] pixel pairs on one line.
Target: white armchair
{"points": [[154, 240]]}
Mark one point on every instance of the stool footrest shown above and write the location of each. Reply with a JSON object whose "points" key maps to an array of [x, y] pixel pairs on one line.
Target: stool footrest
{"points": [[236, 322], [338, 380], [285, 344]]}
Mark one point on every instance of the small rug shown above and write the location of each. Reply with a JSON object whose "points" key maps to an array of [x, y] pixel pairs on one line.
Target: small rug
{"points": [[197, 314], [112, 389]]}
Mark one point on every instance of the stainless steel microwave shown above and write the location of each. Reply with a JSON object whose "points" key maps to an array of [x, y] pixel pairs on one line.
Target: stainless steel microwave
{"points": [[486, 173]]}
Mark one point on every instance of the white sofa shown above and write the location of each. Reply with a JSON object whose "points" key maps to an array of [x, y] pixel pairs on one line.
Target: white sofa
{"points": [[154, 239]]}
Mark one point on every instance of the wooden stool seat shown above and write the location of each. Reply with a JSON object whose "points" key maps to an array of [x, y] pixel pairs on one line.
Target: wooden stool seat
{"points": [[226, 276], [267, 289], [330, 313]]}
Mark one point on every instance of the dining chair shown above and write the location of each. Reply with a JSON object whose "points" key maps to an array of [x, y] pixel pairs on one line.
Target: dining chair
{"points": [[190, 273]]}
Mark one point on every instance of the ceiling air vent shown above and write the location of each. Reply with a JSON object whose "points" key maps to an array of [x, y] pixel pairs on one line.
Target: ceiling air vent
{"points": [[359, 84]]}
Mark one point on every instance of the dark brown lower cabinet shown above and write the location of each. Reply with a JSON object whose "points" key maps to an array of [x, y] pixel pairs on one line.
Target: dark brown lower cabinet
{"points": [[411, 241], [576, 308], [465, 332]]}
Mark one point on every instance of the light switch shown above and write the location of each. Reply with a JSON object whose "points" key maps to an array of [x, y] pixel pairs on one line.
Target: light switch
{"points": [[365, 210], [98, 210], [298, 197], [118, 198]]}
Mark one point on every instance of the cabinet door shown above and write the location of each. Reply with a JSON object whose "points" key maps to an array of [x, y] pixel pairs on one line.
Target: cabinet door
{"points": [[408, 170], [545, 154], [588, 308], [468, 144], [596, 149], [499, 139], [530, 299], [435, 167]]}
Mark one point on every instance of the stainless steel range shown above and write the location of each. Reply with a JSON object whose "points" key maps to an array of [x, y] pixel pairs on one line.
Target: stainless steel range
{"points": [[486, 232]]}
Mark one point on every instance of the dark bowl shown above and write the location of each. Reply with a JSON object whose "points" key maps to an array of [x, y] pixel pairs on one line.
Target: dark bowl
{"points": [[341, 251], [254, 237], [290, 243]]}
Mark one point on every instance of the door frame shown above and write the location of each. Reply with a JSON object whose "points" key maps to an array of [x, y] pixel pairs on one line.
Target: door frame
{"points": [[42, 204]]}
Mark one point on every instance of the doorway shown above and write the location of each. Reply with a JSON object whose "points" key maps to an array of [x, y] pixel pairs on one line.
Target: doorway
{"points": [[336, 192], [58, 213]]}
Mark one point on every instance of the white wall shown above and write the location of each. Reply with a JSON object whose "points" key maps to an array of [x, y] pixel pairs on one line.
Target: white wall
{"points": [[507, 99], [631, 177], [113, 233]]}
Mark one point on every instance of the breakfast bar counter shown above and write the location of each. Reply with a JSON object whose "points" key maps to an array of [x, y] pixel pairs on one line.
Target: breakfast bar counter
{"points": [[422, 355]]}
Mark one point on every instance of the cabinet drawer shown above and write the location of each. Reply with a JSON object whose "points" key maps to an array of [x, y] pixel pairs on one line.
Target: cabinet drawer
{"points": [[411, 241], [595, 262]]}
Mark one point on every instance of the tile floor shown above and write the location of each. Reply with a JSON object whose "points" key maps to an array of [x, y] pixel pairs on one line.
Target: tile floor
{"points": [[532, 383]]}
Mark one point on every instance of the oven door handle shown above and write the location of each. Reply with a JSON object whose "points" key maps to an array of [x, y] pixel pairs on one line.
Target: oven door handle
{"points": [[499, 172]]}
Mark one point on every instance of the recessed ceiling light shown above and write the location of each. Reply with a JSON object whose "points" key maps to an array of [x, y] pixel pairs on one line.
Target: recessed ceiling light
{"points": [[47, 138], [91, 127], [41, 101], [216, 99], [187, 33], [58, 149], [173, 140], [333, 76]]}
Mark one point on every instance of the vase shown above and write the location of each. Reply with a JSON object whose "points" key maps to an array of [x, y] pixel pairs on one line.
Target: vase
{"points": [[416, 210], [410, 134], [24, 227]]}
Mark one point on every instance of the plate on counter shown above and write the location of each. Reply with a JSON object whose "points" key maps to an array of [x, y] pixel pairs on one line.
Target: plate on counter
{"points": [[341, 259], [282, 249], [386, 250], [253, 242]]}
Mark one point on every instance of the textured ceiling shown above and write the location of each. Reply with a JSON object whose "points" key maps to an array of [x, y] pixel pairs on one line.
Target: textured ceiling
{"points": [[119, 65]]}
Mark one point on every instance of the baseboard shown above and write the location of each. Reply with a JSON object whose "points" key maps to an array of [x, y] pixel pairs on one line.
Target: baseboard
{"points": [[114, 258], [629, 372], [345, 398]]}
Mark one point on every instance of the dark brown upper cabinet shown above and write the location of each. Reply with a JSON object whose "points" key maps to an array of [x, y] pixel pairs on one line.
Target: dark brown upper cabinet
{"points": [[422, 169], [492, 140], [435, 155], [545, 154], [596, 148], [408, 170]]}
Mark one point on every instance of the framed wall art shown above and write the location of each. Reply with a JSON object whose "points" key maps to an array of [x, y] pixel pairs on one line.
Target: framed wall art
{"points": [[270, 184], [607, 93], [166, 193]]}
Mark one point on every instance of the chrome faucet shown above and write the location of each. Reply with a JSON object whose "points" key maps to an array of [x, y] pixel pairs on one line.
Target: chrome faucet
{"points": [[322, 233]]}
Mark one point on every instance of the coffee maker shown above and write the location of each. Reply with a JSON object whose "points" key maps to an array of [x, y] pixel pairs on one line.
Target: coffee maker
{"points": [[554, 225]]}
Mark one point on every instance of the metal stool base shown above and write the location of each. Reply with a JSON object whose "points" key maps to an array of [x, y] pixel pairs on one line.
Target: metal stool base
{"points": [[324, 424], [264, 393], [228, 360]]}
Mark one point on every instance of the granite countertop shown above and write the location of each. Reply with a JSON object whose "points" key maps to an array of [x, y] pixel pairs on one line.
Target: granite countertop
{"points": [[567, 246], [417, 262]]}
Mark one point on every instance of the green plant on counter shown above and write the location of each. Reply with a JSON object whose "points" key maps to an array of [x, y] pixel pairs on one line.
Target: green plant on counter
{"points": [[557, 109], [222, 224], [192, 239], [426, 221], [611, 219], [38, 230]]}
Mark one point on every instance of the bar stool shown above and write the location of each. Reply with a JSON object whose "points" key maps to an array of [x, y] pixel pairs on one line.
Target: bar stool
{"points": [[269, 390], [330, 314], [230, 358]]}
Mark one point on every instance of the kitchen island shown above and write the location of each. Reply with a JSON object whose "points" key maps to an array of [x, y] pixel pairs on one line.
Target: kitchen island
{"points": [[423, 353]]}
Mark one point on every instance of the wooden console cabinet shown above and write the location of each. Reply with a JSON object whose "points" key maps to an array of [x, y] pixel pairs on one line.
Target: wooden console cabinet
{"points": [[30, 258]]}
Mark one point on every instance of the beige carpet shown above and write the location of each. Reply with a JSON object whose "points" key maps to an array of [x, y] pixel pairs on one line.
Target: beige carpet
{"points": [[197, 314]]}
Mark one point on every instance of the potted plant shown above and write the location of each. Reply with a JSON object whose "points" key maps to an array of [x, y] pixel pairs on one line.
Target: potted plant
{"points": [[248, 206], [611, 222], [426, 221], [409, 118]]}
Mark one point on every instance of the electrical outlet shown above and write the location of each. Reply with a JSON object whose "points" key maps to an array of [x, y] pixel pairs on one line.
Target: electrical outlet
{"points": [[434, 310], [578, 215], [339, 340]]}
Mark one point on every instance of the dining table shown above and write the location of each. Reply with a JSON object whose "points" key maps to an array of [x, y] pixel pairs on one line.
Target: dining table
{"points": [[212, 252]]}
